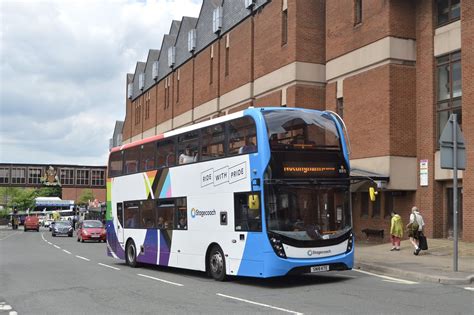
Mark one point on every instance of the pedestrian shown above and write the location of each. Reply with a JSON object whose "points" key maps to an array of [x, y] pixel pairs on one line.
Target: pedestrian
{"points": [[396, 230], [415, 228]]}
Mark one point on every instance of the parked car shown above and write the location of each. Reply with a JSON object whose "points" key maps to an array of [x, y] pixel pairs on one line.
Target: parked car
{"points": [[90, 230], [31, 223], [62, 228]]}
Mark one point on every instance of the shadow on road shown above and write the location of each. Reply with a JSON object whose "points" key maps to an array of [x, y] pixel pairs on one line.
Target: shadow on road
{"points": [[271, 283]]}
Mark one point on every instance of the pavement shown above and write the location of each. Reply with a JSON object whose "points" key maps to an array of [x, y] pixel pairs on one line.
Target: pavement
{"points": [[433, 265]]}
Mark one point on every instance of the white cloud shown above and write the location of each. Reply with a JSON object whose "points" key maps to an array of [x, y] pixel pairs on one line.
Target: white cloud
{"points": [[62, 72]]}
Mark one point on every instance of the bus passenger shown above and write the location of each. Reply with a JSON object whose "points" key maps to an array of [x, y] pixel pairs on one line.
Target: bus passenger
{"points": [[182, 223], [161, 223], [249, 147], [186, 156]]}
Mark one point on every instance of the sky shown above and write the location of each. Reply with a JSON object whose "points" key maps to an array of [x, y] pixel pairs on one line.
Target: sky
{"points": [[63, 65]]}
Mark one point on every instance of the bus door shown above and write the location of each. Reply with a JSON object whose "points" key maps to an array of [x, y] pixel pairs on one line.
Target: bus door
{"points": [[119, 222]]}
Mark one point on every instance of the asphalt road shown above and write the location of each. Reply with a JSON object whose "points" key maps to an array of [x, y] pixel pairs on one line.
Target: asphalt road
{"points": [[40, 274]]}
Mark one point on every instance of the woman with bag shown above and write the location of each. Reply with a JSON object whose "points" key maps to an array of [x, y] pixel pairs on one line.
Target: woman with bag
{"points": [[415, 228]]}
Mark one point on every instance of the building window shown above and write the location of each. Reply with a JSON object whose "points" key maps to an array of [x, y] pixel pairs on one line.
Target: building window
{"points": [[82, 177], [98, 177], [448, 11], [147, 105], [4, 175], [388, 200], [211, 69], [34, 175], [18, 175], [284, 27], [449, 89], [376, 207], [340, 107], [67, 176], [364, 204], [227, 61], [357, 12], [177, 88]]}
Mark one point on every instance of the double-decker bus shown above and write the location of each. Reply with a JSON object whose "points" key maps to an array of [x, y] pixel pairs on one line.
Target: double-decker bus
{"points": [[263, 192]]}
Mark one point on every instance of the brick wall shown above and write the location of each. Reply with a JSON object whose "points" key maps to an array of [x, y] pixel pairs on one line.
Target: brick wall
{"points": [[379, 19], [307, 96], [367, 112], [402, 110], [75, 193], [467, 61], [268, 25], [183, 98], [240, 54], [205, 91], [310, 31], [272, 99], [429, 199]]}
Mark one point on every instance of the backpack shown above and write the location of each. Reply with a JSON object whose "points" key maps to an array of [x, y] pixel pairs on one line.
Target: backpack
{"points": [[415, 226]]}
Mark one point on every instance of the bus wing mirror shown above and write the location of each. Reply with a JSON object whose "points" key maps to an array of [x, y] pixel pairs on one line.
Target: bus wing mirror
{"points": [[254, 202], [372, 193]]}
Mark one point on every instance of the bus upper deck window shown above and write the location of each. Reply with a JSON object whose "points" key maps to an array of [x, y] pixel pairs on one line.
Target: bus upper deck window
{"points": [[242, 136]]}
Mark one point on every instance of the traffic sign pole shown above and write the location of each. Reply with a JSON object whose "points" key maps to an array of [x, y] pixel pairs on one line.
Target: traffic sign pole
{"points": [[455, 192]]}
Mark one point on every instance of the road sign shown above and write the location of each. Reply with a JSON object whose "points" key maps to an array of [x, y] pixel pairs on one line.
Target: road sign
{"points": [[446, 143]]}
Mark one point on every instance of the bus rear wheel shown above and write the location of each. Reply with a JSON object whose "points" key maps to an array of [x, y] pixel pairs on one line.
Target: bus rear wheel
{"points": [[131, 254], [216, 264]]}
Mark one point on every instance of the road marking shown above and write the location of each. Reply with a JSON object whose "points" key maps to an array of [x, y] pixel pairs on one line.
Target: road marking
{"points": [[83, 258], [158, 279], [50, 243], [387, 279], [13, 313], [42, 236], [115, 268], [1, 239], [469, 288], [57, 246], [260, 304], [67, 252]]}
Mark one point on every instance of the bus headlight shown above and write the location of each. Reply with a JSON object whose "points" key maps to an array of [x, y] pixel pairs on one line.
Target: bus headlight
{"points": [[277, 246], [350, 243]]}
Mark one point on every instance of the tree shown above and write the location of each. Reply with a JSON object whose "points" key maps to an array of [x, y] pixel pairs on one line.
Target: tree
{"points": [[23, 199], [53, 191], [86, 195]]}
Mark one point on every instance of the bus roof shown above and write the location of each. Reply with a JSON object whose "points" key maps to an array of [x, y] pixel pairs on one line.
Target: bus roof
{"points": [[201, 125]]}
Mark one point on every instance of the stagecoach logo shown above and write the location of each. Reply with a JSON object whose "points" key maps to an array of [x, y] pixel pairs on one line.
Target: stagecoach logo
{"points": [[223, 175], [312, 252], [200, 213]]}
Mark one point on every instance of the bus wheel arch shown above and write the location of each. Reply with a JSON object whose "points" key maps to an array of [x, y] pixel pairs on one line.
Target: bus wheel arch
{"points": [[131, 253], [215, 262]]}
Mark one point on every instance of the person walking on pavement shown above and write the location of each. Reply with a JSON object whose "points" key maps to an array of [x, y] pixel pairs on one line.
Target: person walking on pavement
{"points": [[396, 230], [415, 227]]}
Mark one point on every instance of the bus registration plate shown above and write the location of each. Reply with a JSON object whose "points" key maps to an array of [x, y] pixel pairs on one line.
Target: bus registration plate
{"points": [[320, 268]]}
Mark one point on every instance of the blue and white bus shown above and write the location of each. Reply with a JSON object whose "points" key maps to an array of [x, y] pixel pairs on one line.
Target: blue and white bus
{"points": [[261, 193]]}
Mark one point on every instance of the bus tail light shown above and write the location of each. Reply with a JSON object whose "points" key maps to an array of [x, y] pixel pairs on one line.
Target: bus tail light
{"points": [[277, 246], [350, 243]]}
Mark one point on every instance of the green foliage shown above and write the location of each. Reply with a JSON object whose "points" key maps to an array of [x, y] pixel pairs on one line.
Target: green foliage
{"points": [[54, 191], [86, 195], [23, 199]]}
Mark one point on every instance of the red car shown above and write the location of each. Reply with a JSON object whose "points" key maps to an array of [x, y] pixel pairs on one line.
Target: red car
{"points": [[90, 230], [32, 223]]}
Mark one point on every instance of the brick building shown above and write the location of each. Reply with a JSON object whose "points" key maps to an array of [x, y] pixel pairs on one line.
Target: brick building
{"points": [[394, 70], [73, 179]]}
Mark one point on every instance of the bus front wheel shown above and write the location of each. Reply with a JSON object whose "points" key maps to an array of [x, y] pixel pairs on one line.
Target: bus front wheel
{"points": [[131, 254], [217, 264]]}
